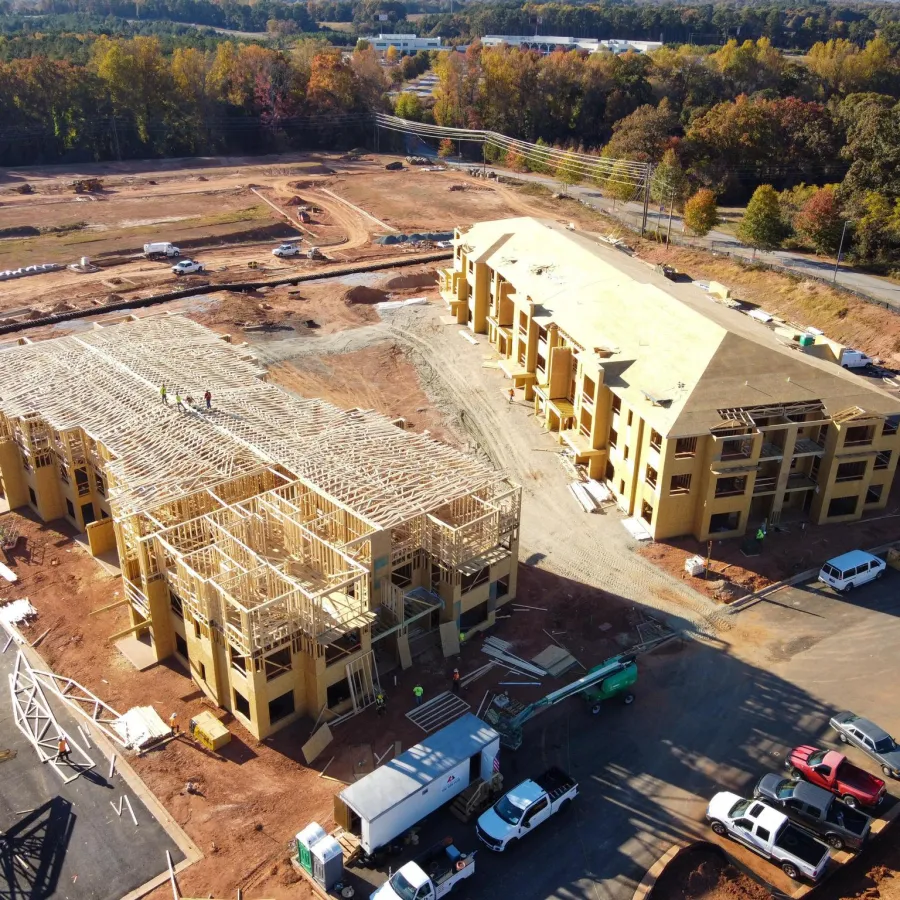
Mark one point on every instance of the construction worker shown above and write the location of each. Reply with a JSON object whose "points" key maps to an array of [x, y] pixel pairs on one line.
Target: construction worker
{"points": [[62, 750], [173, 723], [178, 401], [455, 681], [380, 703], [162, 394], [512, 394], [418, 691], [208, 398]]}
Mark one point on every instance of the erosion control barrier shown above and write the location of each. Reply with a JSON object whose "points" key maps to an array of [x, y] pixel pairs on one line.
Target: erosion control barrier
{"points": [[200, 290]]}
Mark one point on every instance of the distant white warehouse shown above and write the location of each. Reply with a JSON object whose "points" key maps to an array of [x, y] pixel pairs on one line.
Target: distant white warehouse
{"points": [[410, 43], [549, 43]]}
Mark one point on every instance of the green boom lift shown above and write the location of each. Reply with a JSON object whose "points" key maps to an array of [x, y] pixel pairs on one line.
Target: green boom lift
{"points": [[611, 678]]}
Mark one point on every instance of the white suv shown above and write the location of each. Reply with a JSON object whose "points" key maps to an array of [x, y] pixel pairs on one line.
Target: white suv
{"points": [[187, 267], [286, 250]]}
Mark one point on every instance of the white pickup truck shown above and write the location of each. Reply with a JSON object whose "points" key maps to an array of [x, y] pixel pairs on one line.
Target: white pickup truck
{"points": [[769, 833], [519, 811], [431, 875]]}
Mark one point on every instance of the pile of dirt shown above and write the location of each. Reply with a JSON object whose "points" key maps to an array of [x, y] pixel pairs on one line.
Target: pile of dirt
{"points": [[703, 873], [364, 295], [295, 201], [410, 280]]}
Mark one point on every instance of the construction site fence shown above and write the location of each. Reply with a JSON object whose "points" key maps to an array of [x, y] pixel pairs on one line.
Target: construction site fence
{"points": [[200, 290]]}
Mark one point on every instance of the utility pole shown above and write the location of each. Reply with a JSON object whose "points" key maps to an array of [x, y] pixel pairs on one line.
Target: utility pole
{"points": [[647, 175], [840, 250], [671, 208]]}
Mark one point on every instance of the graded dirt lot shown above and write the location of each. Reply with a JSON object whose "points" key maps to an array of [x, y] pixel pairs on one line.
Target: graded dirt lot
{"points": [[415, 199]]}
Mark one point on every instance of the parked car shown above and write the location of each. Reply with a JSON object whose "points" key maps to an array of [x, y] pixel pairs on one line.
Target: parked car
{"points": [[851, 569], [872, 740], [187, 267], [520, 810], [834, 772], [286, 250], [769, 833], [816, 809]]}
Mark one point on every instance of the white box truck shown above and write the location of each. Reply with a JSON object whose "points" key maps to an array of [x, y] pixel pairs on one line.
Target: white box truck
{"points": [[389, 801], [161, 248]]}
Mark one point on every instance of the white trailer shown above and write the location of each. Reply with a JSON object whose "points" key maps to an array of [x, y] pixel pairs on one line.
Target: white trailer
{"points": [[160, 248], [389, 801]]}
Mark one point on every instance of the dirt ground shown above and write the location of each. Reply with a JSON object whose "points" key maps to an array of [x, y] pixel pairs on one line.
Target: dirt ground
{"points": [[240, 819], [415, 200], [702, 873], [227, 216], [378, 377], [788, 549]]}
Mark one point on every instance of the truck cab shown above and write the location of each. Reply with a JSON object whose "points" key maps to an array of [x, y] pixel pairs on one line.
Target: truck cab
{"points": [[519, 811], [769, 833], [430, 876]]}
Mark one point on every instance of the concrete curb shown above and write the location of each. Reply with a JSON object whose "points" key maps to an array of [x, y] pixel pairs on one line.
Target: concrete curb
{"points": [[751, 599], [648, 882]]}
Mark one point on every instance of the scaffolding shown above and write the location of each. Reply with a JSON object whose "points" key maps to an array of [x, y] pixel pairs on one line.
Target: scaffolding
{"points": [[260, 512]]}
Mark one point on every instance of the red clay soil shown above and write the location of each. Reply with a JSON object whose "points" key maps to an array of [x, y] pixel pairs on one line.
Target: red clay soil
{"points": [[872, 876], [323, 303], [379, 377], [702, 873], [364, 296], [787, 550]]}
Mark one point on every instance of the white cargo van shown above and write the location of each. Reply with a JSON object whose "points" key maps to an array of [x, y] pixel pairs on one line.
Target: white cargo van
{"points": [[851, 570], [854, 359], [161, 248]]}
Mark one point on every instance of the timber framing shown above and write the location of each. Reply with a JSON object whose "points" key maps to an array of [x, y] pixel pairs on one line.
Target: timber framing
{"points": [[267, 521]]}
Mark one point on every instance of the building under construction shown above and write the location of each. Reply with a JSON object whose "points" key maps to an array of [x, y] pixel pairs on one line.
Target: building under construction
{"points": [[700, 420], [280, 546]]}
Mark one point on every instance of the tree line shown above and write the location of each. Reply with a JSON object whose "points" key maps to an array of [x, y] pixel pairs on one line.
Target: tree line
{"points": [[718, 125], [130, 100]]}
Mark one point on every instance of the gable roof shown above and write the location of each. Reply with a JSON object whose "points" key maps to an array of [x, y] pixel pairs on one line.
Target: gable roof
{"points": [[666, 348]]}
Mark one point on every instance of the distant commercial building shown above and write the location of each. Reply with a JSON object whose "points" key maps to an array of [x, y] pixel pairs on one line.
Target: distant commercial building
{"points": [[406, 43], [699, 419], [549, 43]]}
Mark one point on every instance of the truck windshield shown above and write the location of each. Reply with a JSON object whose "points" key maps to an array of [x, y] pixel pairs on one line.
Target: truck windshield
{"points": [[739, 809], [402, 888], [815, 758], [785, 790], [509, 813]]}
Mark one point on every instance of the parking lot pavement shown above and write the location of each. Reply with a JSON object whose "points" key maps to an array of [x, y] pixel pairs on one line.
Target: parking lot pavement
{"points": [[708, 716], [65, 840]]}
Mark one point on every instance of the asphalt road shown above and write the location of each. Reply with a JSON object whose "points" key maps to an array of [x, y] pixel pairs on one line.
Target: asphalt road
{"points": [[707, 717], [864, 283], [65, 840]]}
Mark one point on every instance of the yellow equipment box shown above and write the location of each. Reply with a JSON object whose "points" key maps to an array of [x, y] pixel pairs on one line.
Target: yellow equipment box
{"points": [[209, 731]]}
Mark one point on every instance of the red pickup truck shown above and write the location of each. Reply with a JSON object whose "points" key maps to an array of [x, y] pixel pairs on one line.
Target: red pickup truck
{"points": [[831, 770]]}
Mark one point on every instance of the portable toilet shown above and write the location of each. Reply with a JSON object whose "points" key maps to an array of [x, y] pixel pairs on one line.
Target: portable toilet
{"points": [[310, 835], [328, 862]]}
